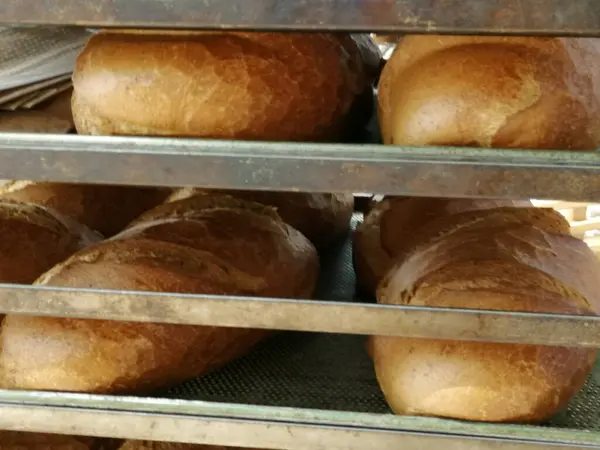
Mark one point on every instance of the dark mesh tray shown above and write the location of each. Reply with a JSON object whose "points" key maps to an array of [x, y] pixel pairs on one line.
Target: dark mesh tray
{"points": [[332, 372]]}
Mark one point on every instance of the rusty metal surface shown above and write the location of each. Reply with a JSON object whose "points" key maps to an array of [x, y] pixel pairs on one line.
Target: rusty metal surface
{"points": [[572, 17], [432, 171], [266, 427]]}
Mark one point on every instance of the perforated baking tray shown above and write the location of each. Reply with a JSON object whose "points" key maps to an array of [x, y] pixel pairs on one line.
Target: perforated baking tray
{"points": [[333, 372]]}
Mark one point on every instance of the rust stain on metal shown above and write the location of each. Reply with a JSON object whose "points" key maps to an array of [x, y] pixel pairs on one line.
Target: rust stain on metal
{"points": [[579, 17]]}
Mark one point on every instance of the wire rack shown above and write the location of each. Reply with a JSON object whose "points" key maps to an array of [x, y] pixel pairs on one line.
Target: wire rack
{"points": [[305, 390]]}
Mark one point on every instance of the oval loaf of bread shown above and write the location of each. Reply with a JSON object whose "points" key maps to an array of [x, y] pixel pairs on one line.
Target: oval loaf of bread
{"points": [[492, 91], [506, 259], [202, 245], [226, 85]]}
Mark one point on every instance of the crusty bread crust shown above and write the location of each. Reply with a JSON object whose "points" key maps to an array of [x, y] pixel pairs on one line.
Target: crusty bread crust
{"points": [[228, 85], [506, 259], [219, 246]]}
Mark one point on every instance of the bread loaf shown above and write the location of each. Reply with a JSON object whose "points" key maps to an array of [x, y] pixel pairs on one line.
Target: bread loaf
{"points": [[230, 85], [322, 218], [159, 445], [202, 245], [506, 259], [16, 440], [492, 91], [387, 231], [107, 209], [33, 239]]}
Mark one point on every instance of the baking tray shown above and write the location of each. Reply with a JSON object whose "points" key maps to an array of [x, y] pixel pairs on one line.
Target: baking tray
{"points": [[308, 167], [294, 391]]}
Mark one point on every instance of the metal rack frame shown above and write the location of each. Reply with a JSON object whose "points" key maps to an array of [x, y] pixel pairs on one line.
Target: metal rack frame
{"points": [[558, 17], [308, 167]]}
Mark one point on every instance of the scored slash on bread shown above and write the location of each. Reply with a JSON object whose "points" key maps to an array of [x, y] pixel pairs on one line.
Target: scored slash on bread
{"points": [[389, 226], [33, 239], [106, 209], [220, 245], [322, 218]]}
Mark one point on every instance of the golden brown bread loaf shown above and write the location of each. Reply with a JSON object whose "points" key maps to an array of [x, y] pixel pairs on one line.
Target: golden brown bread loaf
{"points": [[508, 259], [16, 440], [203, 245], [33, 239], [159, 445], [508, 92], [212, 84], [387, 230], [107, 209], [320, 217]]}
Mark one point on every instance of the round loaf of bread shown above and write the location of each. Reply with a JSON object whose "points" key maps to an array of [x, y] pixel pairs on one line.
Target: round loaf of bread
{"points": [[388, 231], [33, 239], [507, 259], [223, 246], [492, 91], [107, 209], [229, 85], [322, 218]]}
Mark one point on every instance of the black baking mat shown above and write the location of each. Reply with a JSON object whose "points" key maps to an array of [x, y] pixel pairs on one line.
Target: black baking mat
{"points": [[329, 371]]}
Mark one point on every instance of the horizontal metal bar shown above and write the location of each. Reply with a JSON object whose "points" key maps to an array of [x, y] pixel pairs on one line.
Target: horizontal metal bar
{"points": [[266, 427], [304, 315], [430, 171], [573, 17]]}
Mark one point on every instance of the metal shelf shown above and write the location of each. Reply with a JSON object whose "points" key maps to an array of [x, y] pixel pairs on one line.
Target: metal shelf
{"points": [[267, 420], [333, 313], [430, 171], [294, 392], [284, 429], [576, 17], [305, 315]]}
